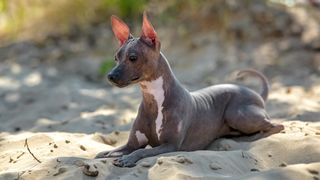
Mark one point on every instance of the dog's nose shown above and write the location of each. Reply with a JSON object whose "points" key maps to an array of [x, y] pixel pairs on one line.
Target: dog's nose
{"points": [[111, 77]]}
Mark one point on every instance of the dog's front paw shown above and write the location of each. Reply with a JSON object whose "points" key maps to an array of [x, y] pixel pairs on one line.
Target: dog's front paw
{"points": [[124, 161], [103, 154], [108, 154]]}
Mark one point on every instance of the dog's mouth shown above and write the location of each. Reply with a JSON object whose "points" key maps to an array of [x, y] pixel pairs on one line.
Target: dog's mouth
{"points": [[124, 84], [135, 79], [117, 84]]}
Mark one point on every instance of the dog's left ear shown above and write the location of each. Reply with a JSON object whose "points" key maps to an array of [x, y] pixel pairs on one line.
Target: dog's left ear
{"points": [[149, 35]]}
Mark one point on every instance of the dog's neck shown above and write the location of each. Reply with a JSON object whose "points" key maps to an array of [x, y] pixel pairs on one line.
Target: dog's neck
{"points": [[163, 80], [164, 86]]}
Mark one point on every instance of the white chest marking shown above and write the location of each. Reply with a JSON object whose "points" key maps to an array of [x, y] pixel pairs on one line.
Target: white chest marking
{"points": [[155, 88], [141, 137]]}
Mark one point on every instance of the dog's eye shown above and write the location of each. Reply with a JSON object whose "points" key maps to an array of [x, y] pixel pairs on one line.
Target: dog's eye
{"points": [[132, 58]]}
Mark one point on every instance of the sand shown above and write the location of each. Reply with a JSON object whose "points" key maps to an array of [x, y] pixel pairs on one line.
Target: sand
{"points": [[291, 154]]}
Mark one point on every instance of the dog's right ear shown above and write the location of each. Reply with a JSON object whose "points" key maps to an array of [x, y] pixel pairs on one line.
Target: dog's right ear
{"points": [[120, 29]]}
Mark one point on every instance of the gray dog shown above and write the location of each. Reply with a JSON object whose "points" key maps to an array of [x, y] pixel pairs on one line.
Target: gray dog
{"points": [[170, 118]]}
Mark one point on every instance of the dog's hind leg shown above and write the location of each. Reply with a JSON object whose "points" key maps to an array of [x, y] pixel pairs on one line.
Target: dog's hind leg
{"points": [[250, 119]]}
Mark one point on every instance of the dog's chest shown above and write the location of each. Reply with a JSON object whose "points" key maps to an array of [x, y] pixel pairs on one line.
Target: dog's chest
{"points": [[155, 89]]}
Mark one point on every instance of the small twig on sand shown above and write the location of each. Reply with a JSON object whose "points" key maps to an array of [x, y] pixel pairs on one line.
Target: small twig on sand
{"points": [[21, 155], [26, 145]]}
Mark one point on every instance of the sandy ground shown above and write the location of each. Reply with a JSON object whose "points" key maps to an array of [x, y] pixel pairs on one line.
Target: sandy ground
{"points": [[68, 114], [292, 154]]}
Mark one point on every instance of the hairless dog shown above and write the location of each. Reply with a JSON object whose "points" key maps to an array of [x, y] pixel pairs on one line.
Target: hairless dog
{"points": [[170, 118]]}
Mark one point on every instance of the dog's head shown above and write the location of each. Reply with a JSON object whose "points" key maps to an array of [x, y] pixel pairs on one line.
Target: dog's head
{"points": [[137, 58]]}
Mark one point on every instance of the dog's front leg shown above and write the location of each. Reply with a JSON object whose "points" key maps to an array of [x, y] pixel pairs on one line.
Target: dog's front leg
{"points": [[120, 151], [131, 159], [132, 145]]}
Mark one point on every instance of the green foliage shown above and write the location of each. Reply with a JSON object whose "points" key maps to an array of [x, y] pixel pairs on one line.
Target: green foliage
{"points": [[39, 17], [129, 8], [125, 8], [106, 66]]}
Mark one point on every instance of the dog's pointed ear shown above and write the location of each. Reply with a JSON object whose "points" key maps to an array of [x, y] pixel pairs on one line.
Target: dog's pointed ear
{"points": [[149, 35], [120, 30]]}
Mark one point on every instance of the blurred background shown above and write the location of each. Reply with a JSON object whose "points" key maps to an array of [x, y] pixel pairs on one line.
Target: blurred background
{"points": [[54, 55]]}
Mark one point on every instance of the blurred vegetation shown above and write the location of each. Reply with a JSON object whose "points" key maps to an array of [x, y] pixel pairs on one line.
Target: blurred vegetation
{"points": [[40, 17], [106, 66], [74, 25]]}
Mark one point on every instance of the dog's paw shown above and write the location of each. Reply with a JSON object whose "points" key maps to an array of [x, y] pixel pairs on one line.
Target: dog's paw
{"points": [[103, 154], [124, 161], [108, 154]]}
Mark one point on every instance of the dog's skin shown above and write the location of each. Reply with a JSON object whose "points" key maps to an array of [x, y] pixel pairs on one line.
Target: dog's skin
{"points": [[170, 118]]}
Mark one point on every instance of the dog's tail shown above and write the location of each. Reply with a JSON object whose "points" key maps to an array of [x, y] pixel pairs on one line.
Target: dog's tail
{"points": [[265, 84]]}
